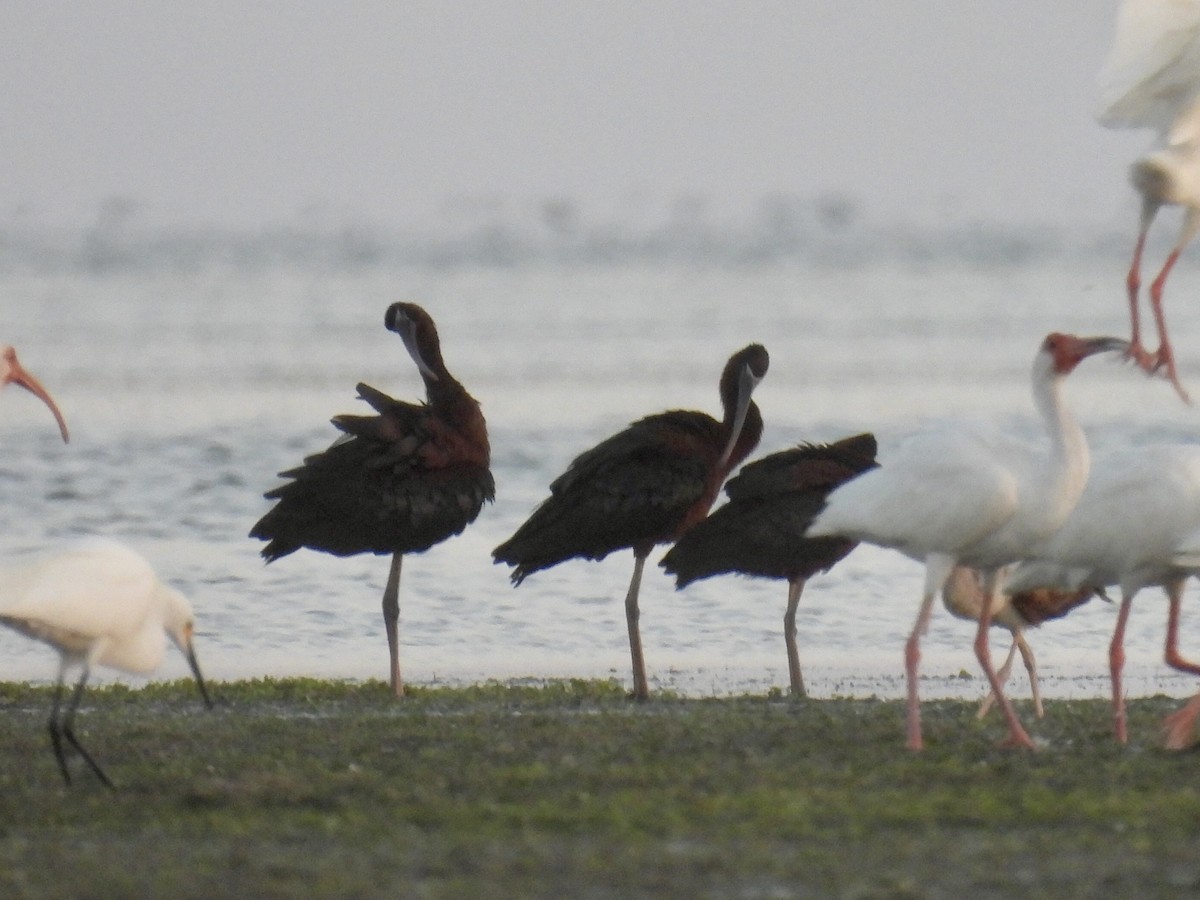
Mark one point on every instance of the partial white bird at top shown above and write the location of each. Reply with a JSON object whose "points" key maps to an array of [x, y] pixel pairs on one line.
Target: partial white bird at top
{"points": [[12, 372], [1151, 79], [979, 497], [1133, 527], [98, 603]]}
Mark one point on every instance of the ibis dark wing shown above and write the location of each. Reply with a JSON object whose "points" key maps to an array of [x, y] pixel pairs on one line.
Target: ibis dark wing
{"points": [[772, 502], [373, 490], [635, 488]]}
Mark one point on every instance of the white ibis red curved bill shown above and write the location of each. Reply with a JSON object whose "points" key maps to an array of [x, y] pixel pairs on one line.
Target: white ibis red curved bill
{"points": [[12, 372]]}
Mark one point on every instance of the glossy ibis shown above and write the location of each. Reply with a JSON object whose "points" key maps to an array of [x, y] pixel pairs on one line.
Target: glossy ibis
{"points": [[396, 482], [760, 531], [98, 603], [959, 494], [645, 485]]}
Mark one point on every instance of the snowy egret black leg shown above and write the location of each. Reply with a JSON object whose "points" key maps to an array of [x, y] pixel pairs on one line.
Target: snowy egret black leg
{"points": [[68, 731]]}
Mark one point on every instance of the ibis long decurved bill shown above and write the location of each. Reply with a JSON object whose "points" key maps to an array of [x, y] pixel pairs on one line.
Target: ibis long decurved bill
{"points": [[747, 382], [18, 375]]}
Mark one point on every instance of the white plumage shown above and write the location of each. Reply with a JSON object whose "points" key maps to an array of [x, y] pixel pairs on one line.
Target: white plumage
{"points": [[1151, 79], [98, 603], [972, 496], [1134, 527]]}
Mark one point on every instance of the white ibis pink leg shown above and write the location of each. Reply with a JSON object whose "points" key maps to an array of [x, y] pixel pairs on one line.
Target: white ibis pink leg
{"points": [[1116, 664], [391, 622], [1018, 644], [641, 688], [1133, 284], [795, 676], [1179, 726], [1165, 358], [1017, 735], [937, 570]]}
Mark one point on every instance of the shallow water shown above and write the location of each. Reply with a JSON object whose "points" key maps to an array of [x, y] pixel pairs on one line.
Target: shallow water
{"points": [[186, 390]]}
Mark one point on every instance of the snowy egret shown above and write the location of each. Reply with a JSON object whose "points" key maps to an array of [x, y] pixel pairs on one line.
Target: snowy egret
{"points": [[1134, 527], [645, 485], [393, 483], [97, 603], [957, 494], [760, 531], [1151, 79], [12, 372]]}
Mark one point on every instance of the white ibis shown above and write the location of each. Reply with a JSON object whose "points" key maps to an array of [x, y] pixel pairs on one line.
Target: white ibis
{"points": [[760, 531], [963, 596], [980, 497], [12, 372], [1151, 79], [393, 483], [1133, 527], [645, 485], [98, 603]]}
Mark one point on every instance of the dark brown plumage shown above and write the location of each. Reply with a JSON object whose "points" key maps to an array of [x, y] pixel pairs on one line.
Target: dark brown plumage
{"points": [[644, 486], [760, 531], [396, 482]]}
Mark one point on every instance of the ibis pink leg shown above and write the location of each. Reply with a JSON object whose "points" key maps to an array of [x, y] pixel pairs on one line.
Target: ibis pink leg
{"points": [[1178, 727], [795, 676], [1133, 284], [1017, 734], [990, 700], [1165, 358], [641, 687], [391, 622], [1116, 665]]}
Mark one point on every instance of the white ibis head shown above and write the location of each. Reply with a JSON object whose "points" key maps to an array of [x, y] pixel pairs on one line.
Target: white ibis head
{"points": [[1061, 353]]}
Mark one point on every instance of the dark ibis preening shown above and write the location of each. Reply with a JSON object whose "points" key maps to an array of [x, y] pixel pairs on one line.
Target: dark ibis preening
{"points": [[760, 531], [963, 596], [976, 496], [645, 485], [12, 372], [397, 482]]}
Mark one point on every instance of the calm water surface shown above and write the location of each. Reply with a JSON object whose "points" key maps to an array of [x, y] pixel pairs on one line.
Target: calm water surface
{"points": [[187, 391]]}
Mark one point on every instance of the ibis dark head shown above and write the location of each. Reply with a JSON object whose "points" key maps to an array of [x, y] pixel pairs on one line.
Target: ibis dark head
{"points": [[743, 372], [416, 329]]}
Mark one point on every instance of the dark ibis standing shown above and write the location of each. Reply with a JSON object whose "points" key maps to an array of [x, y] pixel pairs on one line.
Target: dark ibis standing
{"points": [[760, 531], [645, 485], [397, 482]]}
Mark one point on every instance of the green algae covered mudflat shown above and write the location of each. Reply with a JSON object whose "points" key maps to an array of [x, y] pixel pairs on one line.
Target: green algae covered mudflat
{"points": [[569, 790]]}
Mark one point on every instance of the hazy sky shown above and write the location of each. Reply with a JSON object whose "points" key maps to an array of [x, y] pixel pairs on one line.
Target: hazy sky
{"points": [[233, 112]]}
